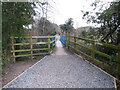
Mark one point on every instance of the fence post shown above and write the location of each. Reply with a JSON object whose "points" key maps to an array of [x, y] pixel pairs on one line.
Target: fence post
{"points": [[13, 48], [118, 64], [74, 42], [68, 41], [52, 42], [31, 47], [49, 42], [92, 52]]}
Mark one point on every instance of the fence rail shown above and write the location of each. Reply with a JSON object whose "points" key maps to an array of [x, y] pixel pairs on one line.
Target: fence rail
{"points": [[73, 44], [50, 43]]}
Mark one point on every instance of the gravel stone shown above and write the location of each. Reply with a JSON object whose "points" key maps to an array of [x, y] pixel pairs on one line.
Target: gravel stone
{"points": [[63, 71]]}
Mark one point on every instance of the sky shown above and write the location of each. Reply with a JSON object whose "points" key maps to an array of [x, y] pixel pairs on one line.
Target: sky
{"points": [[64, 9]]}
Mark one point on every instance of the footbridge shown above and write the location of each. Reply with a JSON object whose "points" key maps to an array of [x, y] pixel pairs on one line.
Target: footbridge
{"points": [[78, 64]]}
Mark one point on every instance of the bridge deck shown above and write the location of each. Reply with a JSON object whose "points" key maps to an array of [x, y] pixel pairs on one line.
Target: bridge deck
{"points": [[62, 71]]}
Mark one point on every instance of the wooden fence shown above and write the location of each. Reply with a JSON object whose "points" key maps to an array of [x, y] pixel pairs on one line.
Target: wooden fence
{"points": [[72, 43], [49, 42]]}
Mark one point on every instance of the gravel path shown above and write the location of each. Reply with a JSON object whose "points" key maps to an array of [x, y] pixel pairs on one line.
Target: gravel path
{"points": [[63, 71], [60, 51]]}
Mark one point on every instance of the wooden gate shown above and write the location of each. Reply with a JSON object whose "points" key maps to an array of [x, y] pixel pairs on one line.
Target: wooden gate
{"points": [[47, 43]]}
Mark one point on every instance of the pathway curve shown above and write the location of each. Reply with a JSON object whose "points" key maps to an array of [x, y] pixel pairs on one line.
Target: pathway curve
{"points": [[62, 70]]}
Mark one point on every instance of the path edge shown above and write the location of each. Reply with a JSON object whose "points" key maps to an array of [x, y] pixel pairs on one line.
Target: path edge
{"points": [[114, 79], [23, 73]]}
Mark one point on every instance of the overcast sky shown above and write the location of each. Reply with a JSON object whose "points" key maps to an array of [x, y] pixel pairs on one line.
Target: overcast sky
{"points": [[64, 9]]}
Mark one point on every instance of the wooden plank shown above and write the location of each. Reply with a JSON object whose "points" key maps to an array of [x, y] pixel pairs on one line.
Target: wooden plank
{"points": [[84, 39], [30, 50], [42, 36], [96, 60], [41, 42], [97, 42], [52, 41], [109, 45], [31, 54], [21, 43], [30, 43], [98, 52], [35, 37], [22, 37]]}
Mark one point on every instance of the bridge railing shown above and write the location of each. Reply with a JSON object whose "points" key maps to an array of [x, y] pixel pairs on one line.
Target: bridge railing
{"points": [[47, 43], [78, 43]]}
